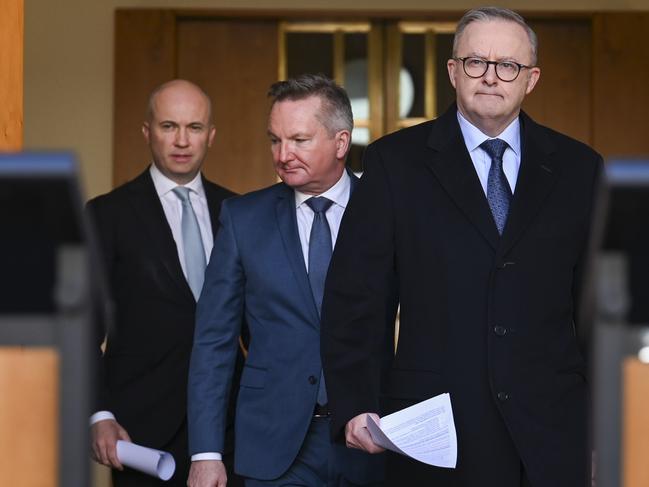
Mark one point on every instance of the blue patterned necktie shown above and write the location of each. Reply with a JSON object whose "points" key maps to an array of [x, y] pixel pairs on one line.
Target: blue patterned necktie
{"points": [[192, 243], [319, 256], [499, 194]]}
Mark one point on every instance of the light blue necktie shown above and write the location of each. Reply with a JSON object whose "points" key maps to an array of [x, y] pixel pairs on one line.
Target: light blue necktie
{"points": [[499, 194], [319, 256], [192, 243]]}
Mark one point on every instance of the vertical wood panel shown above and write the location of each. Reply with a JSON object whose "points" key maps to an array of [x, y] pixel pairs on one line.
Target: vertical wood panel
{"points": [[562, 98], [144, 59], [620, 84], [235, 62], [11, 74], [635, 428], [29, 417]]}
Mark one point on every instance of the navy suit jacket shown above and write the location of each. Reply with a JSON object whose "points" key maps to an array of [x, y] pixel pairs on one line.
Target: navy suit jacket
{"points": [[257, 270], [489, 319]]}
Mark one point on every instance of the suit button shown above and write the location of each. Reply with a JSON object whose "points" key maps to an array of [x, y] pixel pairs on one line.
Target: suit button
{"points": [[503, 396], [312, 380], [501, 331]]}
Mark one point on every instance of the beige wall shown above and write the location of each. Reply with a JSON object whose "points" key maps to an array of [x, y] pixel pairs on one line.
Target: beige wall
{"points": [[69, 60], [68, 66]]}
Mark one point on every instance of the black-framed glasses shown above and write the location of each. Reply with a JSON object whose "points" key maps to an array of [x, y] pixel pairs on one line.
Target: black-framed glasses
{"points": [[475, 67]]}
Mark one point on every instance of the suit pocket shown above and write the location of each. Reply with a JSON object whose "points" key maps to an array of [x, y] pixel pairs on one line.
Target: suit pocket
{"points": [[253, 377]]}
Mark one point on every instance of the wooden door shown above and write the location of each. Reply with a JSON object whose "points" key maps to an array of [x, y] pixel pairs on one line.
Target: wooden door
{"points": [[234, 61], [620, 94], [562, 97]]}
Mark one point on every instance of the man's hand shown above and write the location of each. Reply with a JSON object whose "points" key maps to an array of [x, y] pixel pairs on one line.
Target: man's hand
{"points": [[104, 436], [207, 473], [357, 435]]}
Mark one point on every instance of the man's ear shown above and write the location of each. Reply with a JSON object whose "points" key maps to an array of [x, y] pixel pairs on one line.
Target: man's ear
{"points": [[343, 141], [532, 79], [451, 67], [145, 131]]}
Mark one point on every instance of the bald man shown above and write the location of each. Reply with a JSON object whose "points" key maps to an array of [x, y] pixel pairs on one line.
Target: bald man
{"points": [[155, 266]]}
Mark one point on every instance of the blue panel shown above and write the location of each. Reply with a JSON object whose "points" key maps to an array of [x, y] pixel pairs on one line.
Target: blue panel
{"points": [[43, 164], [628, 172]]}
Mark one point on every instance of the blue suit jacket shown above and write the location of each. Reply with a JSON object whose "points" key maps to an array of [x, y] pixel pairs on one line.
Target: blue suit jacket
{"points": [[257, 272]]}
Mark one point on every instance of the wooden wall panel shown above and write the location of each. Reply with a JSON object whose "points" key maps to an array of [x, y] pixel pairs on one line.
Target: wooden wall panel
{"points": [[635, 427], [29, 417], [593, 84], [235, 61], [620, 84], [562, 97], [11, 75], [144, 59]]}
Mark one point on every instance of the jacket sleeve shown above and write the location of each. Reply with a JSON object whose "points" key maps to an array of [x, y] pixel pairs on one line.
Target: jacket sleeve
{"points": [[360, 303], [219, 316], [101, 247]]}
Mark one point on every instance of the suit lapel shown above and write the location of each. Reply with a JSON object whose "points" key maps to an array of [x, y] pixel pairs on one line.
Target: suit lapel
{"points": [[148, 208], [452, 166], [213, 205], [287, 223], [536, 179]]}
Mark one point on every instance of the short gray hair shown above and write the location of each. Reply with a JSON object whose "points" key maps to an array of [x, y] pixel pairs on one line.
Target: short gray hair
{"points": [[485, 14], [336, 112]]}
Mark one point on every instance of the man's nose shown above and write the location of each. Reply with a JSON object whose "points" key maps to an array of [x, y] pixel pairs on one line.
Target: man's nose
{"points": [[182, 140], [285, 152], [490, 75]]}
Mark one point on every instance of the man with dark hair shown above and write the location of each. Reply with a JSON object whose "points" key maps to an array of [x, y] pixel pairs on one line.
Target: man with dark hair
{"points": [[476, 224], [156, 234], [273, 251]]}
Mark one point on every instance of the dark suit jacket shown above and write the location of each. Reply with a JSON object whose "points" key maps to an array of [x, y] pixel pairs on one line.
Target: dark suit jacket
{"points": [[490, 320], [146, 361], [258, 269]]}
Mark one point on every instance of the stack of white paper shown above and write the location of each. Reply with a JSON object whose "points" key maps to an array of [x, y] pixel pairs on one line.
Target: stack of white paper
{"points": [[424, 431]]}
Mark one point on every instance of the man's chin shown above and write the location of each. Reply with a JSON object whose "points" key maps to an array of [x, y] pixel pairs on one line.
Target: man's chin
{"points": [[490, 113], [292, 178]]}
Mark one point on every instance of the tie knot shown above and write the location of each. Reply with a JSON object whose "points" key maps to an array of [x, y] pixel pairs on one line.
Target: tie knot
{"points": [[495, 148], [182, 192], [319, 204]]}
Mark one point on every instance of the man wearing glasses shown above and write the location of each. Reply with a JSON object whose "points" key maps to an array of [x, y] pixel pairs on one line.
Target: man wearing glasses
{"points": [[477, 225]]}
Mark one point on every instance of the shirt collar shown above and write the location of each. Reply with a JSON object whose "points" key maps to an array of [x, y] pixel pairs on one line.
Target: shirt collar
{"points": [[338, 193], [473, 137], [164, 185]]}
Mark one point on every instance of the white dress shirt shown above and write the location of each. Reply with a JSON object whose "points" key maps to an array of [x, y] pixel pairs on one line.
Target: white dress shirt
{"points": [[473, 137], [339, 194], [173, 210]]}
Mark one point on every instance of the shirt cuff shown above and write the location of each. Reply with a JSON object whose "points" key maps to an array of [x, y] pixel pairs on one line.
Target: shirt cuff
{"points": [[101, 416], [207, 456]]}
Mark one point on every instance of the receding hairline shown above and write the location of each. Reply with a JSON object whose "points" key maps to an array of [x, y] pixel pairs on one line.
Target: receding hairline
{"points": [[177, 83], [496, 14]]}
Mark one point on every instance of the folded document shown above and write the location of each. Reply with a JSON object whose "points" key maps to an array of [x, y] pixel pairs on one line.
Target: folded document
{"points": [[424, 431]]}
